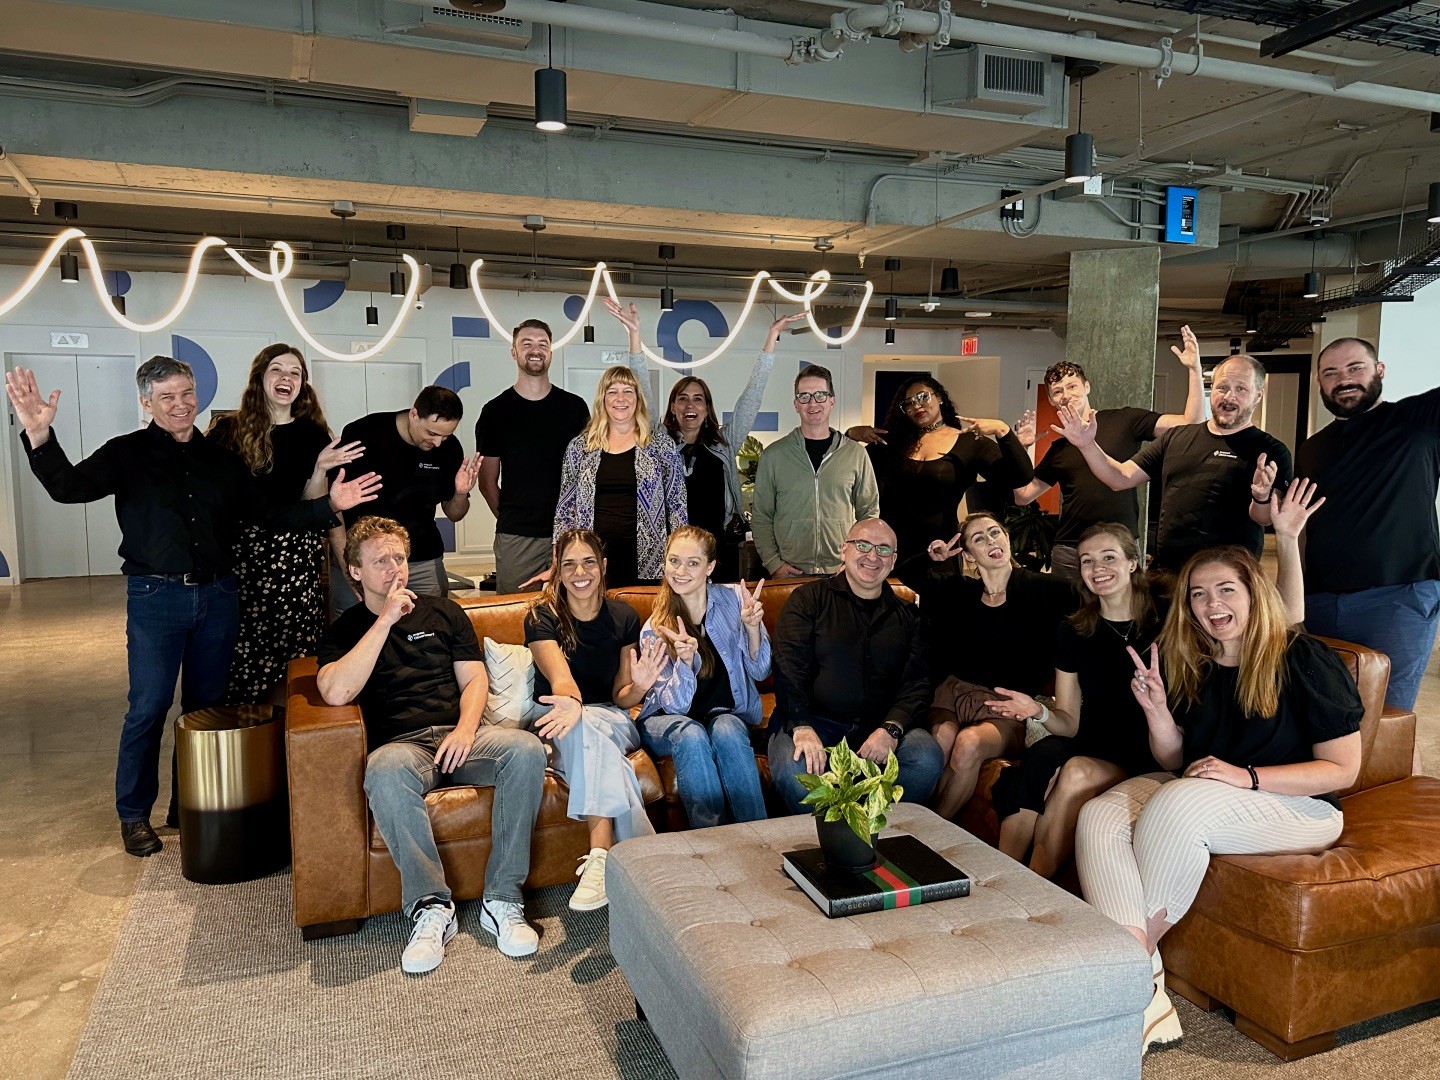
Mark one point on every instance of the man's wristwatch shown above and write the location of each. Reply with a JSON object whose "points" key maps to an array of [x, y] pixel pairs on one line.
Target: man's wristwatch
{"points": [[894, 730]]}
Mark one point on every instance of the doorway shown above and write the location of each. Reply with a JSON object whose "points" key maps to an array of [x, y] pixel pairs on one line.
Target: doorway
{"points": [[97, 402]]}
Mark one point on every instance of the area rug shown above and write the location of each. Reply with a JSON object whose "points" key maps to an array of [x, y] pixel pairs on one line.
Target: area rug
{"points": [[214, 983]]}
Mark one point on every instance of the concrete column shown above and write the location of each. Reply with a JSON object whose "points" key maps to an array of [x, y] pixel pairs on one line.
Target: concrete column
{"points": [[1110, 332]]}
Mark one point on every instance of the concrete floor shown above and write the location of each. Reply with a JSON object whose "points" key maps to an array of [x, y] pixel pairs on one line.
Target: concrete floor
{"points": [[65, 883]]}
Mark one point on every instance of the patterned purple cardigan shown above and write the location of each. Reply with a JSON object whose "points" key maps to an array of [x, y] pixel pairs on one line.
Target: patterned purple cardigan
{"points": [[659, 494]]}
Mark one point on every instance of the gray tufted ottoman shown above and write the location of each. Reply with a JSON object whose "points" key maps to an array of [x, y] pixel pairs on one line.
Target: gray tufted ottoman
{"points": [[740, 975]]}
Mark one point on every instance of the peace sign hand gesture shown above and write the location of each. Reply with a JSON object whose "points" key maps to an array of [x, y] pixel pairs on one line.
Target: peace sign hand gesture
{"points": [[752, 611], [685, 645], [940, 550], [1147, 684]]}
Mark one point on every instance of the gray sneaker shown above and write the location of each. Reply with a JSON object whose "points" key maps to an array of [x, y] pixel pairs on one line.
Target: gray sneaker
{"points": [[434, 927]]}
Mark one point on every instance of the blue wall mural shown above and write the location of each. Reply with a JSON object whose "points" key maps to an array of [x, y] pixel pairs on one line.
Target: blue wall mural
{"points": [[207, 381], [323, 294], [455, 377], [573, 306], [667, 334], [118, 282], [469, 326]]}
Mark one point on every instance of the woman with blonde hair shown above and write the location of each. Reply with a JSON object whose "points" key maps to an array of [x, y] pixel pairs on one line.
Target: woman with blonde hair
{"points": [[623, 479], [701, 653], [280, 432], [1262, 724]]}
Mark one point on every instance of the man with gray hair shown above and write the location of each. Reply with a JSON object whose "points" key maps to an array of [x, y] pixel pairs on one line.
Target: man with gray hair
{"points": [[180, 499]]}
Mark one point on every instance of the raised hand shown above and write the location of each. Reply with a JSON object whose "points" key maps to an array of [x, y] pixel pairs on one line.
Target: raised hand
{"points": [[468, 473], [990, 429], [867, 435], [752, 611], [646, 663], [35, 413], [685, 645], [1289, 513], [940, 550], [1263, 482], [564, 714], [778, 327], [399, 602], [334, 454], [629, 315], [1147, 684], [1076, 427], [1190, 354], [345, 494], [1025, 428], [1013, 705]]}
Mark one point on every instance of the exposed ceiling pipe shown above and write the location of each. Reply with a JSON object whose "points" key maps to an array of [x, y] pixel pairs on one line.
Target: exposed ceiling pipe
{"points": [[1335, 251], [13, 167]]}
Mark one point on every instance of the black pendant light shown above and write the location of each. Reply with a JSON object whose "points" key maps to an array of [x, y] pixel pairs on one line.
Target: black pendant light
{"points": [[889, 335], [892, 302], [396, 235], [949, 280], [372, 313], [667, 294], [589, 334], [459, 279], [1312, 285], [1252, 322], [1432, 214], [119, 303], [1079, 147], [550, 108], [69, 264]]}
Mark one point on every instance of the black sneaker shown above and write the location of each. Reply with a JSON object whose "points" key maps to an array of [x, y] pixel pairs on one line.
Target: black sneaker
{"points": [[139, 838]]}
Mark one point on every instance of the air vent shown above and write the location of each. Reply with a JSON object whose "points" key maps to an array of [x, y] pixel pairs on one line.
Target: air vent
{"points": [[453, 24], [981, 77]]}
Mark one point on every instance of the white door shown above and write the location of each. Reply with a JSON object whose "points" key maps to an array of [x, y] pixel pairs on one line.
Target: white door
{"points": [[350, 390], [97, 402]]}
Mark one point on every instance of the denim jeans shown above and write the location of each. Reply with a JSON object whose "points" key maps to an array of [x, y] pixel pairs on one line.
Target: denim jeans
{"points": [[714, 764], [1398, 620], [171, 630], [397, 777], [921, 762]]}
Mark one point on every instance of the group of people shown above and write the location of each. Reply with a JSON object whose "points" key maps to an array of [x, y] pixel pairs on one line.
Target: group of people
{"points": [[1151, 715]]}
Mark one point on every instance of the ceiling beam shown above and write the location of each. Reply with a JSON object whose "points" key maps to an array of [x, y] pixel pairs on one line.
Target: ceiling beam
{"points": [[1335, 21]]}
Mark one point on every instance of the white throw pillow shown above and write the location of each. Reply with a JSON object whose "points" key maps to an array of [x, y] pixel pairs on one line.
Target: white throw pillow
{"points": [[511, 671]]}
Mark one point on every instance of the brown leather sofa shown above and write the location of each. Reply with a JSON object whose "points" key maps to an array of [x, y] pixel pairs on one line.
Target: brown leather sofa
{"points": [[342, 872], [1300, 945]]}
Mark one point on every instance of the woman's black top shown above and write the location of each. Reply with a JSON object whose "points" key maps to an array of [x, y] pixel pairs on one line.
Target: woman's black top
{"points": [[712, 692], [615, 494], [704, 487], [918, 499], [1318, 702], [1012, 645], [1112, 724], [294, 448]]}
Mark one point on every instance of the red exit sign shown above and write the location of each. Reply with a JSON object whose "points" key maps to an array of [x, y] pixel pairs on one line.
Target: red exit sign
{"points": [[970, 345]]}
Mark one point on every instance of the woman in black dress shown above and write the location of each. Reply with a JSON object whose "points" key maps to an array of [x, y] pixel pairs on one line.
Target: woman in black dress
{"points": [[926, 458], [280, 433]]}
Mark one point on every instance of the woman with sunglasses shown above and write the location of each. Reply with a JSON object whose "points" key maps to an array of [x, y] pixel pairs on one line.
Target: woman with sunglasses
{"points": [[985, 636], [707, 447], [927, 456]]}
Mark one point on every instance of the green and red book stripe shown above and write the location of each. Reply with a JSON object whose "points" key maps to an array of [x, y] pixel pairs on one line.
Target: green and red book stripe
{"points": [[900, 889]]}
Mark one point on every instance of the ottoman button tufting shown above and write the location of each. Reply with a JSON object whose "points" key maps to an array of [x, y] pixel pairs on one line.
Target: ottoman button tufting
{"points": [[757, 922]]}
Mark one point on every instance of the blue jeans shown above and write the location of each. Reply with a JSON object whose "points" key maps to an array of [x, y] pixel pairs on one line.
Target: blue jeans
{"points": [[171, 630], [714, 764], [1398, 620], [921, 762], [400, 773]]}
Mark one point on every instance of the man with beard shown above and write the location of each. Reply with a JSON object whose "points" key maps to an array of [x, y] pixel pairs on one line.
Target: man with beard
{"points": [[1216, 478], [522, 434], [1372, 558]]}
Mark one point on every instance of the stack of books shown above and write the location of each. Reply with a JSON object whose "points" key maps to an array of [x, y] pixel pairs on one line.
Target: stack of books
{"points": [[907, 873]]}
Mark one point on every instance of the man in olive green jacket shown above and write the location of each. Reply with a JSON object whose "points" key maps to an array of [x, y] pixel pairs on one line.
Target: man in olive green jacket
{"points": [[811, 486]]}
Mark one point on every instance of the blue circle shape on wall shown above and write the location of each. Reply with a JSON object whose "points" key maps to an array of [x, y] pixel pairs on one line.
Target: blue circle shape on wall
{"points": [[207, 380]]}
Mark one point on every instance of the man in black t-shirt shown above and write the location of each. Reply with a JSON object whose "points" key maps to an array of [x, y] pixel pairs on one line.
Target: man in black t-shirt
{"points": [[1372, 556], [421, 464], [1216, 478], [1084, 499], [413, 665], [523, 433]]}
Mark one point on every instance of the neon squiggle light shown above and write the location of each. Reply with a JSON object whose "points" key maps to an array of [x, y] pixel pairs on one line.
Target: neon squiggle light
{"points": [[701, 361], [28, 285], [565, 338], [187, 290]]}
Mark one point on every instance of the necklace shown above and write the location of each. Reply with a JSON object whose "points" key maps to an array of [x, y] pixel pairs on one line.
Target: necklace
{"points": [[936, 426], [1129, 628]]}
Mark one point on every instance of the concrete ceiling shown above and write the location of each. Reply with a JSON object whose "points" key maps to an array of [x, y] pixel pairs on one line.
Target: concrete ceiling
{"points": [[825, 129]]}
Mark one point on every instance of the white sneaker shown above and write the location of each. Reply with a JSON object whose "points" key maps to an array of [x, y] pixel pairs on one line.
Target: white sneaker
{"points": [[1162, 1024], [506, 920], [434, 927], [590, 895]]}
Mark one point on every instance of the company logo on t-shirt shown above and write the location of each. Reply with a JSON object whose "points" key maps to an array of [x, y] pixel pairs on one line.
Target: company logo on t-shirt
{"points": [[432, 465], [419, 634], [1225, 454]]}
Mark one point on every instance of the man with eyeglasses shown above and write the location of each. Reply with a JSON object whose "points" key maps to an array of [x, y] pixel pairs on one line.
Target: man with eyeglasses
{"points": [[849, 664], [810, 487]]}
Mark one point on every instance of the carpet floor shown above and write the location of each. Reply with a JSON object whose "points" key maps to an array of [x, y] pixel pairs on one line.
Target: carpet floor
{"points": [[214, 983]]}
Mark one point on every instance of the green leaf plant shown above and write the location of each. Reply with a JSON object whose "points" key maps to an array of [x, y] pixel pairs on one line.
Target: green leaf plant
{"points": [[853, 789]]}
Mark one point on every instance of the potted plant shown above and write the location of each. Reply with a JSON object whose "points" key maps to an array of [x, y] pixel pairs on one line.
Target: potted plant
{"points": [[849, 801]]}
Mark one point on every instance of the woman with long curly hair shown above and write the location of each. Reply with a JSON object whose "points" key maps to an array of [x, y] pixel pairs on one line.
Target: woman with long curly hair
{"points": [[622, 478], [701, 653], [280, 432], [584, 646], [1262, 725], [927, 457]]}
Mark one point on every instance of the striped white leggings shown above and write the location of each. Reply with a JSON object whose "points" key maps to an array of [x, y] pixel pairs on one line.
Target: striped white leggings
{"points": [[1143, 846]]}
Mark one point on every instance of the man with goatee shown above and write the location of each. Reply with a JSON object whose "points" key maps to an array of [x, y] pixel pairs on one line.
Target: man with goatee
{"points": [[1372, 556]]}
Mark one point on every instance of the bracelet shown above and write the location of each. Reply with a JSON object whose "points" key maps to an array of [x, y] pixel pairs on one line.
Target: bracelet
{"points": [[1262, 502], [1044, 716], [1254, 778]]}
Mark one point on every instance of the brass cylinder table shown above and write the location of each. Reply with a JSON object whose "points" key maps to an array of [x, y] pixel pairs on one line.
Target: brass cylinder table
{"points": [[234, 813]]}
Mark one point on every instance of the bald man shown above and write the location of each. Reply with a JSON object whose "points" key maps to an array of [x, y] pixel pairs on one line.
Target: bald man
{"points": [[848, 664], [1216, 478]]}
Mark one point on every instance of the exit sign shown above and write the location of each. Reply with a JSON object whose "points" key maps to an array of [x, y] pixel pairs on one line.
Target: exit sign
{"points": [[970, 345]]}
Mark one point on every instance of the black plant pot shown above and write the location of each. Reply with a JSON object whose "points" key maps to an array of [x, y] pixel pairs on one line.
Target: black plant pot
{"points": [[843, 850]]}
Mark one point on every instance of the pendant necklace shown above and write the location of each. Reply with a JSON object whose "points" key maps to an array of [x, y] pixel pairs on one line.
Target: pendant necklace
{"points": [[1129, 628]]}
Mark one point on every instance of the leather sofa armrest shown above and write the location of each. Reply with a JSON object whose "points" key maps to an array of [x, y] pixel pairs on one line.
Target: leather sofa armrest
{"points": [[329, 819]]}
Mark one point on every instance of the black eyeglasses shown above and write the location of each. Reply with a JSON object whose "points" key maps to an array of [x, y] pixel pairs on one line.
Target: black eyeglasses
{"points": [[807, 396], [865, 547]]}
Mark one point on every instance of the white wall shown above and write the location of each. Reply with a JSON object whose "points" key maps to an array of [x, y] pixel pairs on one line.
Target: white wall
{"points": [[1407, 343]]}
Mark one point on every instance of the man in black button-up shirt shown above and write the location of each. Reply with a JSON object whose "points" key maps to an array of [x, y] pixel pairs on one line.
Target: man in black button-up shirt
{"points": [[180, 500]]}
